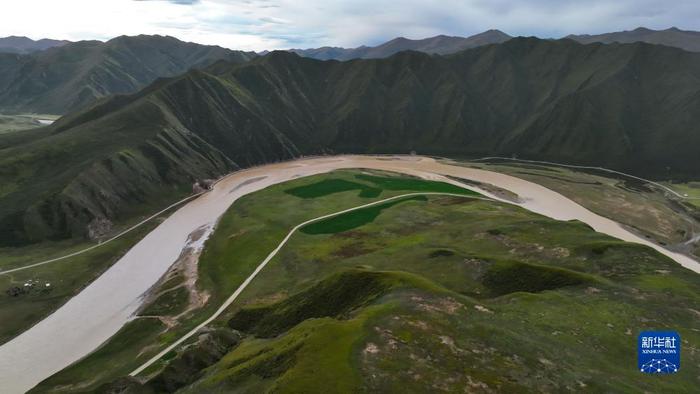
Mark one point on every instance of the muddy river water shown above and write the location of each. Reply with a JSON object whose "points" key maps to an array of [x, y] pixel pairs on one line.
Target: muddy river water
{"points": [[102, 308]]}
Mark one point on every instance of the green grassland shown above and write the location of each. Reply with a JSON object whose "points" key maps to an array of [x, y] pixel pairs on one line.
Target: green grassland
{"points": [[12, 123], [436, 294], [639, 206], [690, 189], [500, 299], [254, 225]]}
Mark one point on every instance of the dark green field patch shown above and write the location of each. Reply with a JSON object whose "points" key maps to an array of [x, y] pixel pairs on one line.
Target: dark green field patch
{"points": [[354, 219], [331, 186], [403, 183], [441, 253]]}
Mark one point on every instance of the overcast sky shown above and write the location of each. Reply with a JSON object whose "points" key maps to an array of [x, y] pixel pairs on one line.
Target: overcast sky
{"points": [[279, 24]]}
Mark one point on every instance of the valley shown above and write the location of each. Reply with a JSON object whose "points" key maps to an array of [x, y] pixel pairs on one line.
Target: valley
{"points": [[205, 123], [12, 123], [415, 202]]}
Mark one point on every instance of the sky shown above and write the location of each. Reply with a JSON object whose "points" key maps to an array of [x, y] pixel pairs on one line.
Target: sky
{"points": [[281, 24]]}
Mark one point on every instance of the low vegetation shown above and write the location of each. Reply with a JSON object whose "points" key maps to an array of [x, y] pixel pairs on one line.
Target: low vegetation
{"points": [[510, 277], [456, 293], [334, 297], [253, 227]]}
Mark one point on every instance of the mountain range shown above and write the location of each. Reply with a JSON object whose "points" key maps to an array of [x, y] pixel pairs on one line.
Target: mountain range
{"points": [[15, 44], [440, 45], [73, 76], [58, 77], [444, 45], [673, 37], [632, 107]]}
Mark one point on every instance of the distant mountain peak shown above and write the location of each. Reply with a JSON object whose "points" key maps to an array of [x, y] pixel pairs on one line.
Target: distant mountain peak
{"points": [[493, 31], [50, 82], [441, 44], [673, 36], [23, 45]]}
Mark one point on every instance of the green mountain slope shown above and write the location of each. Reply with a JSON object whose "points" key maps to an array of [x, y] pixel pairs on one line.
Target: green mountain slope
{"points": [[630, 107], [73, 76], [441, 45]]}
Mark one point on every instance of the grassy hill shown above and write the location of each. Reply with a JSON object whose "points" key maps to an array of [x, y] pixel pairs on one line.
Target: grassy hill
{"points": [[631, 107], [73, 75], [456, 292]]}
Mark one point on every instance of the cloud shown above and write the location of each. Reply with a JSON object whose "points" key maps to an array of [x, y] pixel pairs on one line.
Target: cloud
{"points": [[183, 2], [275, 24]]}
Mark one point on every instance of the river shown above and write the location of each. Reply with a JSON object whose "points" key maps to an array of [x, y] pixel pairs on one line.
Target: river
{"points": [[102, 308]]}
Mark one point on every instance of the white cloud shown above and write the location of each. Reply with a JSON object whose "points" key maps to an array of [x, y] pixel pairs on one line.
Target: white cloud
{"points": [[273, 24]]}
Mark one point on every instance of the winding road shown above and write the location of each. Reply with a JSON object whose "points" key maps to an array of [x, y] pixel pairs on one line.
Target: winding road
{"points": [[269, 257], [103, 307], [657, 184]]}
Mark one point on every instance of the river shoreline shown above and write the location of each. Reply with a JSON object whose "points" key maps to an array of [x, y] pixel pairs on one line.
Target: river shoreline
{"points": [[102, 308]]}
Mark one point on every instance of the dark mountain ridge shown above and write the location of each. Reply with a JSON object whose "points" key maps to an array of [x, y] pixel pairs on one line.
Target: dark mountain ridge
{"points": [[673, 37], [632, 107], [444, 45], [441, 45], [23, 45], [73, 76]]}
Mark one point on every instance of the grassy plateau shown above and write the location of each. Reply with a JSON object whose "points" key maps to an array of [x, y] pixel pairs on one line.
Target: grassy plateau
{"points": [[432, 294]]}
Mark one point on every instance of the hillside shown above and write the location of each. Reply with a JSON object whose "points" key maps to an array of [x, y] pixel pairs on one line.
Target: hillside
{"points": [[456, 292], [441, 45], [14, 44], [630, 107], [72, 76], [673, 37]]}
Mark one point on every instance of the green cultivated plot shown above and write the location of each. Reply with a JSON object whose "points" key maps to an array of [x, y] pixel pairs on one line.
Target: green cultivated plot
{"points": [[332, 186], [403, 183], [354, 219]]}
